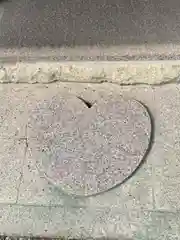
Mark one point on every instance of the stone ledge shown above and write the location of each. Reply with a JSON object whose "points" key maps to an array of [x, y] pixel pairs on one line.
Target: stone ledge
{"points": [[124, 52], [80, 223], [118, 72]]}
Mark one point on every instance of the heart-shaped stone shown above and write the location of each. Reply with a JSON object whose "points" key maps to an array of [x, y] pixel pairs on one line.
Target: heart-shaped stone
{"points": [[84, 150]]}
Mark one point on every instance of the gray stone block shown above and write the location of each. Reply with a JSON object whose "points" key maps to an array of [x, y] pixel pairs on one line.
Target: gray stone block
{"points": [[88, 151]]}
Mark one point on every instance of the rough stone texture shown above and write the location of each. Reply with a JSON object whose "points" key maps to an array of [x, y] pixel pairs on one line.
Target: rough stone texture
{"points": [[146, 206], [12, 142], [85, 150], [109, 31], [122, 73], [12, 155], [12, 113], [125, 52], [90, 23], [82, 223]]}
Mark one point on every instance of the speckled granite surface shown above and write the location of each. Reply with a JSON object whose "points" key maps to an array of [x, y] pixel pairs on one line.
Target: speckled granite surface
{"points": [[86, 151], [146, 206]]}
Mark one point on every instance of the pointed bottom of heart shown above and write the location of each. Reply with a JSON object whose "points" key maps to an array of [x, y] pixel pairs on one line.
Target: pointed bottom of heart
{"points": [[86, 151]]}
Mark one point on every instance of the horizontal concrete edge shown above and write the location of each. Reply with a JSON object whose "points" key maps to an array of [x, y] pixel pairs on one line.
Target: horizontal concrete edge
{"points": [[169, 51], [119, 72], [81, 223]]}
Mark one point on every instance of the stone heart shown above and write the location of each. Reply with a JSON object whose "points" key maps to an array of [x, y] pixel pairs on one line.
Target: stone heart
{"points": [[84, 150]]}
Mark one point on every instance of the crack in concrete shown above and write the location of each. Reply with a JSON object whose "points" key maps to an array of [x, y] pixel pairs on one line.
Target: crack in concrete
{"points": [[24, 158]]}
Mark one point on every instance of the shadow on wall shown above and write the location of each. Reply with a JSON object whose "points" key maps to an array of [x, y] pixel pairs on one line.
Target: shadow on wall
{"points": [[28, 23]]}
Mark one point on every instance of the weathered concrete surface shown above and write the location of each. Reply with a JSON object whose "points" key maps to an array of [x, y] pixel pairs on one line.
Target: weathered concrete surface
{"points": [[91, 223], [145, 207], [122, 73]]}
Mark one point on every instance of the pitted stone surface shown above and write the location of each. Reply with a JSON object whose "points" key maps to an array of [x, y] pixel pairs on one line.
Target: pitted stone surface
{"points": [[86, 151], [146, 206]]}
